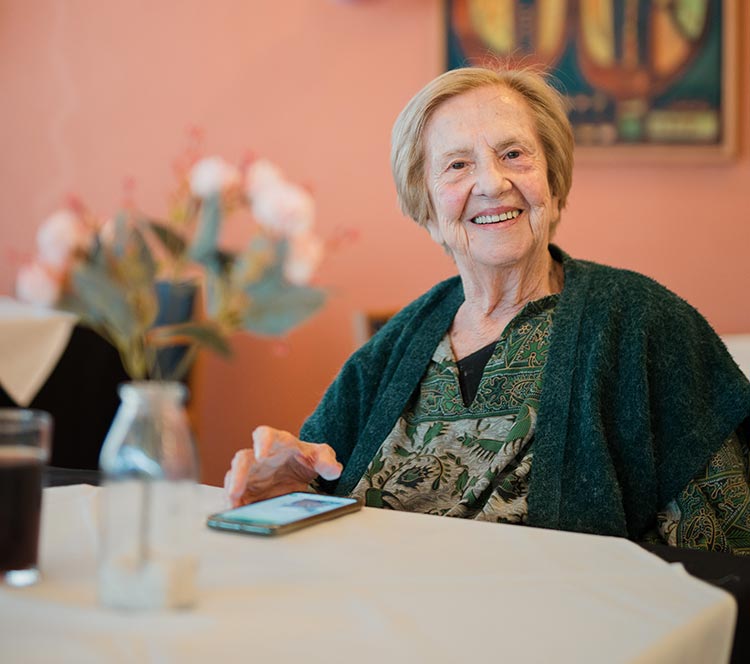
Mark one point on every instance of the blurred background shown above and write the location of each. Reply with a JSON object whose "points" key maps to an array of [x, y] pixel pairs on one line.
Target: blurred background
{"points": [[99, 97]]}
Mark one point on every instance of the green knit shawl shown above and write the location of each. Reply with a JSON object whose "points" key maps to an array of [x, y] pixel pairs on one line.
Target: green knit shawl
{"points": [[638, 393]]}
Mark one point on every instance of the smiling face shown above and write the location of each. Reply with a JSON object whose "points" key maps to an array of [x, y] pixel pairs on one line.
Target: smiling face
{"points": [[486, 174]]}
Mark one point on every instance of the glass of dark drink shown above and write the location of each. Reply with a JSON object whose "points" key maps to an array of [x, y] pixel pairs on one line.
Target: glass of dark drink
{"points": [[25, 439]]}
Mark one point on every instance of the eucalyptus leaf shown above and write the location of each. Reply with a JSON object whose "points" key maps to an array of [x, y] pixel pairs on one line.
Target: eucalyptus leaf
{"points": [[276, 306], [215, 288], [100, 294], [98, 253], [203, 248], [145, 305], [120, 239], [204, 334], [173, 242], [144, 265]]}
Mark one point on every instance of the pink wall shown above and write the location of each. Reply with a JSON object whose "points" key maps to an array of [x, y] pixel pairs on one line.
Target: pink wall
{"points": [[97, 91]]}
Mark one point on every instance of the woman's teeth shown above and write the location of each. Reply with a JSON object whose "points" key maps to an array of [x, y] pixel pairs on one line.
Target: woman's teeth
{"points": [[495, 218]]}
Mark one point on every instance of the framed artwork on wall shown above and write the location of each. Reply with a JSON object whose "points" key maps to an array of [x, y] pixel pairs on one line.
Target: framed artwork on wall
{"points": [[645, 80]]}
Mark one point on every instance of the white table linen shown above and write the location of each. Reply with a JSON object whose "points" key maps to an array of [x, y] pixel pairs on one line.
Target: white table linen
{"points": [[739, 348], [375, 586], [32, 340]]}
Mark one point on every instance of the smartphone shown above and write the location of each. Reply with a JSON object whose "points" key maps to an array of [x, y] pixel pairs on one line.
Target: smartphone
{"points": [[283, 514]]}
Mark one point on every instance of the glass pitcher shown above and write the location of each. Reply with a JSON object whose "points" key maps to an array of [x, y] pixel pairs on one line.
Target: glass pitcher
{"points": [[147, 510]]}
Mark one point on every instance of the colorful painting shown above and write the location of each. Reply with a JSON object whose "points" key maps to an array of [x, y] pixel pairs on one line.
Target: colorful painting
{"points": [[643, 77]]}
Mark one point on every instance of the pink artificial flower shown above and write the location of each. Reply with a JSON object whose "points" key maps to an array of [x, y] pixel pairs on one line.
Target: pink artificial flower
{"points": [[211, 176], [284, 208], [305, 254], [60, 237], [278, 205], [38, 284], [261, 175]]}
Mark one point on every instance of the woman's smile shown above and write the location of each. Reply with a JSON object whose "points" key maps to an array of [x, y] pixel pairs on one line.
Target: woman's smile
{"points": [[493, 218]]}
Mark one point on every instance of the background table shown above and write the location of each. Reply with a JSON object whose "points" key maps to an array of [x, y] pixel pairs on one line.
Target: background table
{"points": [[81, 394], [374, 586]]}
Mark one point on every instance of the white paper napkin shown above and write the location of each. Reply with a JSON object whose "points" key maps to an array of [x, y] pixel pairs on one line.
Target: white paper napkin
{"points": [[32, 339]]}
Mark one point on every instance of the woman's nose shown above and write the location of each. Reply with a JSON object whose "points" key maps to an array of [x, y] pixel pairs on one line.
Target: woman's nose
{"points": [[491, 179]]}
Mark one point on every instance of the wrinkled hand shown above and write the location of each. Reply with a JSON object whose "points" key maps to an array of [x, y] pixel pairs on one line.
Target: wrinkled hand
{"points": [[277, 463]]}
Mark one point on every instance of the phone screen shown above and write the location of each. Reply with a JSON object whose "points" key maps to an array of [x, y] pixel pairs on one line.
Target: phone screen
{"points": [[283, 513]]}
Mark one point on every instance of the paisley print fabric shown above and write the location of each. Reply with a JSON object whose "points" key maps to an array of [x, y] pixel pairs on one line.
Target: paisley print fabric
{"points": [[713, 511], [444, 457]]}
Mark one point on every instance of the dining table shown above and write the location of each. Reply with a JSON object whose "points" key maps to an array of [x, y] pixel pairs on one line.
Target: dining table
{"points": [[373, 586]]}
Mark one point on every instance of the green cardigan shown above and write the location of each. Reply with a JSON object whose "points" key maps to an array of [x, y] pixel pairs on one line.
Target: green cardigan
{"points": [[638, 393]]}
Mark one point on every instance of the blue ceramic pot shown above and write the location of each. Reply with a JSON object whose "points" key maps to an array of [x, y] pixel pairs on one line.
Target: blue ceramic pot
{"points": [[176, 300]]}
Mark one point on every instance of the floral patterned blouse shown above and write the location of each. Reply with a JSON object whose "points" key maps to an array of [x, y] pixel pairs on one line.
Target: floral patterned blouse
{"points": [[474, 460]]}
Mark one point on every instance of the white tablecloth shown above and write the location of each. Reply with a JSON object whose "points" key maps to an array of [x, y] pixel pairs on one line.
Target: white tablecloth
{"points": [[32, 339], [739, 347], [375, 586]]}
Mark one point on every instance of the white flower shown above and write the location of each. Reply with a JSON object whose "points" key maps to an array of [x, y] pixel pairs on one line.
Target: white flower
{"points": [[284, 208], [305, 254], [261, 175], [60, 236], [210, 176], [37, 284], [277, 204]]}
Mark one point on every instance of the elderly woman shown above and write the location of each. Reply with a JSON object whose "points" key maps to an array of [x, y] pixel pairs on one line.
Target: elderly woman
{"points": [[533, 388]]}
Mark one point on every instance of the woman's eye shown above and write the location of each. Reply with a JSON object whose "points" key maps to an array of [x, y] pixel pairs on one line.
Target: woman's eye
{"points": [[513, 154], [457, 165]]}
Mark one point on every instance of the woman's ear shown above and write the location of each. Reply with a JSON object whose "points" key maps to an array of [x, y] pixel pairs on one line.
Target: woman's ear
{"points": [[433, 228]]}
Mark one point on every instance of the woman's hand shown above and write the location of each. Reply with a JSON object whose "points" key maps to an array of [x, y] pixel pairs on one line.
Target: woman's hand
{"points": [[277, 463]]}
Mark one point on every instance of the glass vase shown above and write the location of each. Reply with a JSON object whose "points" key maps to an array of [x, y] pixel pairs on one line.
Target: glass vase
{"points": [[148, 501]]}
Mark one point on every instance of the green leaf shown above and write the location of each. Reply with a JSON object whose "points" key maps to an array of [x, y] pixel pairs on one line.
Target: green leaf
{"points": [[377, 464], [374, 497], [173, 242], [203, 248], [410, 431], [462, 480], [98, 254], [401, 451], [144, 305], [142, 261], [104, 299], [206, 335], [489, 445], [119, 240], [434, 431], [276, 307]]}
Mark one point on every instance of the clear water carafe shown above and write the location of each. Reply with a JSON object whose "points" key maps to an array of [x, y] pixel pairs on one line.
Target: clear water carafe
{"points": [[148, 501]]}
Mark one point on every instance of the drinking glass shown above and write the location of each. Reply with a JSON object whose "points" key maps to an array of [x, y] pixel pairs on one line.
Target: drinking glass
{"points": [[25, 439]]}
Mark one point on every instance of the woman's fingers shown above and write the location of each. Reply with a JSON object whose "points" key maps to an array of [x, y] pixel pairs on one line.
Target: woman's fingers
{"points": [[235, 481], [325, 463], [278, 462], [274, 445], [281, 447]]}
